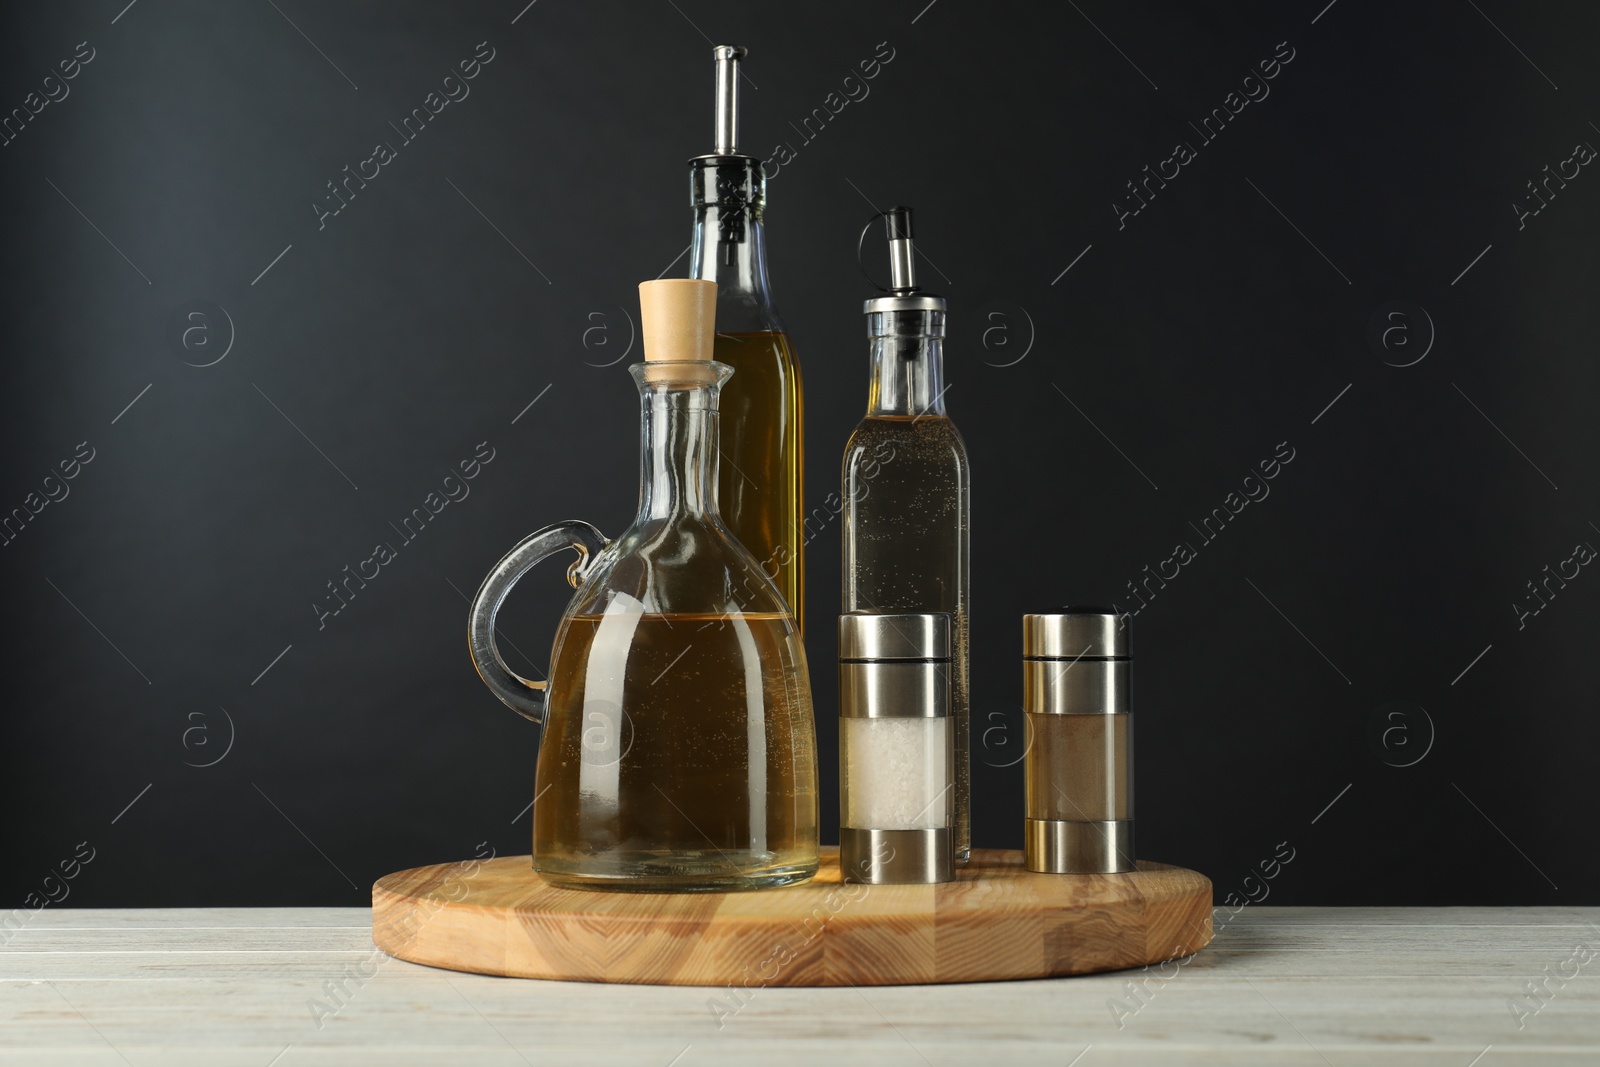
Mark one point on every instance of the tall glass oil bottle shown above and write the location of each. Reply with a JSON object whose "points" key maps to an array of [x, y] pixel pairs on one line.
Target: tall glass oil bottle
{"points": [[907, 488], [759, 486]]}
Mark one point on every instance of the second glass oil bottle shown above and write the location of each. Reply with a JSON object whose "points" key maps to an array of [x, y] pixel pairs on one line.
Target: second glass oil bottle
{"points": [[907, 488]]}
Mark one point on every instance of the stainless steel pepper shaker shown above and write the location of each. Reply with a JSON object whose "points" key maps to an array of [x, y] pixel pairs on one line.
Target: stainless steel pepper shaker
{"points": [[896, 749], [1078, 772]]}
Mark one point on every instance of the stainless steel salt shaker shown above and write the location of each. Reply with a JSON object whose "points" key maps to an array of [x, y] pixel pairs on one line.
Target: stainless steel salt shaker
{"points": [[896, 749]]}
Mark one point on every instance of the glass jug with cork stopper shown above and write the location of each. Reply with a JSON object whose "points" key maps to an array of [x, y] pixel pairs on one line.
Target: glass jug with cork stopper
{"points": [[679, 749]]}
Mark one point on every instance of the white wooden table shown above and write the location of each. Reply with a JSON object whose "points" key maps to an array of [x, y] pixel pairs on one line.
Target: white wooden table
{"points": [[1291, 986]]}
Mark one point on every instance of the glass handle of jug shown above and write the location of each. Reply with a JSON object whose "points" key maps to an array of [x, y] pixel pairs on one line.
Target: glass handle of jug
{"points": [[523, 696]]}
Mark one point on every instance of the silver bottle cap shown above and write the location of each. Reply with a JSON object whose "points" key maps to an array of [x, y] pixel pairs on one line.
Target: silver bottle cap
{"points": [[1076, 663], [913, 635], [894, 666], [1086, 633]]}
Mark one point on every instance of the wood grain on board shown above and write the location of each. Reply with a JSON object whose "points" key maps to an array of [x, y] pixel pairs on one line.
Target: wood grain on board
{"points": [[996, 921]]}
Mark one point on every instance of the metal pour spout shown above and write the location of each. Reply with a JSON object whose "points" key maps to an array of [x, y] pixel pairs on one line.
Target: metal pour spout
{"points": [[902, 257], [727, 133], [903, 294]]}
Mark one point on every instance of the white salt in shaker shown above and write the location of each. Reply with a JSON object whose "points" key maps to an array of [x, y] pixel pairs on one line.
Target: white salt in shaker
{"points": [[896, 749]]}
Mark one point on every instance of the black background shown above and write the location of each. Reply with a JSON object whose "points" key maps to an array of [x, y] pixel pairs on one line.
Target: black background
{"points": [[1106, 407]]}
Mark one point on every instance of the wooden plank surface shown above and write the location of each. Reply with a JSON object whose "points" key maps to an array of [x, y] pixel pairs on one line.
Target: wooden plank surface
{"points": [[996, 921], [1295, 986]]}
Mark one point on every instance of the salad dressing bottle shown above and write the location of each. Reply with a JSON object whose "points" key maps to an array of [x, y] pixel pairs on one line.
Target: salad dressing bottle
{"points": [[907, 490]]}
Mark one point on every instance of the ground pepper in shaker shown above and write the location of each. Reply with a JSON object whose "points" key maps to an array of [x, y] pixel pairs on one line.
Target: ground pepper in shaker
{"points": [[1078, 772], [896, 749]]}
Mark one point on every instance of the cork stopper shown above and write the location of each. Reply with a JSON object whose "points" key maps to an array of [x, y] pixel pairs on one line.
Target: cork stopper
{"points": [[677, 319]]}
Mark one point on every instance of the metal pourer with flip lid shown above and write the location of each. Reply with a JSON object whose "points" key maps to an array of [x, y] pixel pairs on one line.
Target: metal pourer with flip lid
{"points": [[727, 179], [904, 293]]}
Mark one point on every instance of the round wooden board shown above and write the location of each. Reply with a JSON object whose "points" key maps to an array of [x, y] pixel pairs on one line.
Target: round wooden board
{"points": [[996, 921]]}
